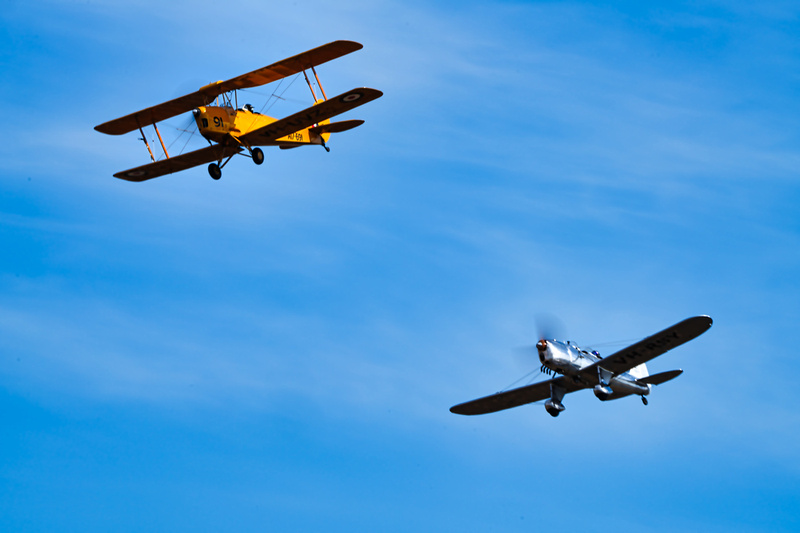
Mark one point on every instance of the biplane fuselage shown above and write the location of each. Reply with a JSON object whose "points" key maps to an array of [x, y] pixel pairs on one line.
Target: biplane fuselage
{"points": [[224, 124]]}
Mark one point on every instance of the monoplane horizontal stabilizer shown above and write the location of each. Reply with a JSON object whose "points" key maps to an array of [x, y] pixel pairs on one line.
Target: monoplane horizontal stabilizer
{"points": [[663, 377], [336, 127], [208, 154]]}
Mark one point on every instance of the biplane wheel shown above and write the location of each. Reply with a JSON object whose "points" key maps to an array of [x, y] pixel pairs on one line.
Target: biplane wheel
{"points": [[214, 171], [258, 156], [644, 400]]}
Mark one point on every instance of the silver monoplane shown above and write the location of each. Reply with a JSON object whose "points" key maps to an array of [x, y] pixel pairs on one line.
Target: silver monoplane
{"points": [[621, 374]]}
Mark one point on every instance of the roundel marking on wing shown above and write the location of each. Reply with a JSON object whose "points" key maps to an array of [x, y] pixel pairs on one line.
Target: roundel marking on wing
{"points": [[352, 97]]}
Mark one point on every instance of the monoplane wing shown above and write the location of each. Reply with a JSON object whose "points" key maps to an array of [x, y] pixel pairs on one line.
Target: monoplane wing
{"points": [[268, 134], [205, 95], [514, 397], [651, 347], [208, 154]]}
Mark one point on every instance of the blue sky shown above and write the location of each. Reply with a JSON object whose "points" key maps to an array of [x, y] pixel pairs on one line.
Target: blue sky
{"points": [[278, 350]]}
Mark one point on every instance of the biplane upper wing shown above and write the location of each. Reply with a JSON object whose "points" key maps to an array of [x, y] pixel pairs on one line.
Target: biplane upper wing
{"points": [[514, 397], [651, 347], [206, 95], [157, 113], [290, 66], [181, 162], [308, 117]]}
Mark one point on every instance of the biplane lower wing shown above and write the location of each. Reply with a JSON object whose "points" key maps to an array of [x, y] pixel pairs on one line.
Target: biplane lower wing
{"points": [[514, 397], [208, 154], [269, 134]]}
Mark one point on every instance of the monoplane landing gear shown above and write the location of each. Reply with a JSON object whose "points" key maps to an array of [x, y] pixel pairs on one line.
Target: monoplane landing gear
{"points": [[644, 400], [214, 171], [554, 406], [258, 156]]}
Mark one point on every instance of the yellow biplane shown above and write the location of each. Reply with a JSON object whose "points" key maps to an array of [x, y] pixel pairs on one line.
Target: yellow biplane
{"points": [[231, 130]]}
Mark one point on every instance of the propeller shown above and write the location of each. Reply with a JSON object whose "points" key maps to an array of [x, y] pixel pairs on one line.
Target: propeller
{"points": [[186, 127], [548, 327]]}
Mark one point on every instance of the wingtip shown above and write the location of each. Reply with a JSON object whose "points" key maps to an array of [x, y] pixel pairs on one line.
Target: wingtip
{"points": [[456, 411], [353, 44]]}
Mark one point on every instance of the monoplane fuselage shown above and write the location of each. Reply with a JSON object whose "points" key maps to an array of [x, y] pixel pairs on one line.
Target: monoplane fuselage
{"points": [[570, 360]]}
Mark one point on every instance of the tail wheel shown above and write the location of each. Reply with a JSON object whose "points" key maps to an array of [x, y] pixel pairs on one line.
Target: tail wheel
{"points": [[214, 171], [258, 156]]}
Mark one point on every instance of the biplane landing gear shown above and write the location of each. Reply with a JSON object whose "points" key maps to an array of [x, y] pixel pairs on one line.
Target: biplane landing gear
{"points": [[644, 400], [258, 156], [214, 171]]}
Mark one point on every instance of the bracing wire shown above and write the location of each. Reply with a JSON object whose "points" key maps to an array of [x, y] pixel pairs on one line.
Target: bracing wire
{"points": [[526, 376]]}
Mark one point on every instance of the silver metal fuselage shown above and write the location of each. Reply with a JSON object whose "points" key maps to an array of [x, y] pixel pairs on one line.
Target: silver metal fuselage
{"points": [[567, 359]]}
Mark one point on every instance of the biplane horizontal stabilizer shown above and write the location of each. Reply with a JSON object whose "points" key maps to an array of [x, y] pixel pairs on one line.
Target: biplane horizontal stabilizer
{"points": [[208, 154]]}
